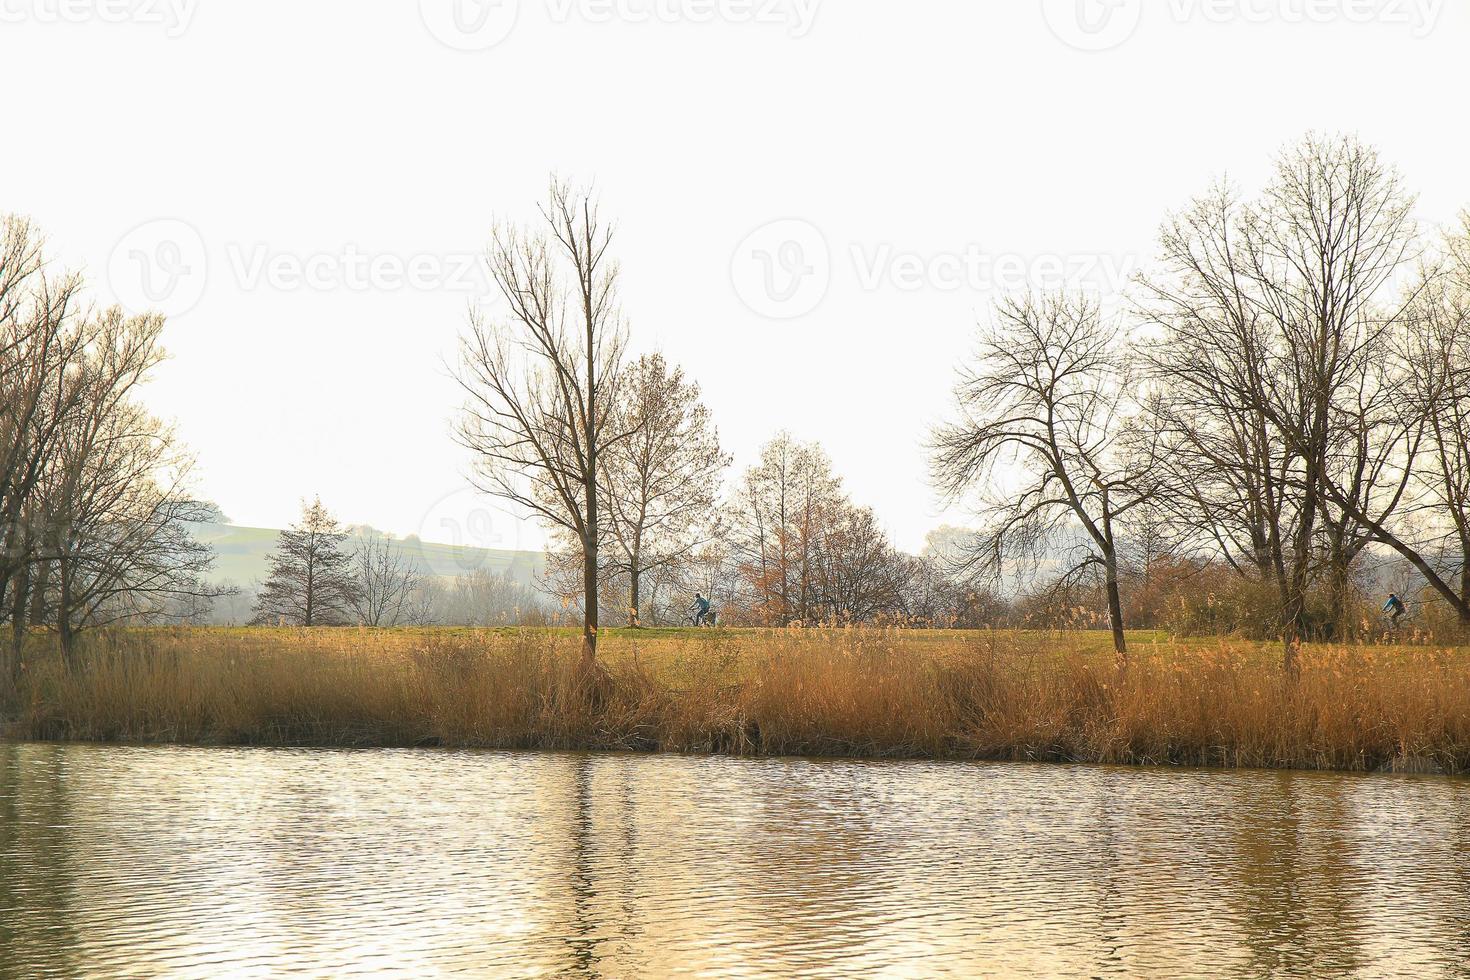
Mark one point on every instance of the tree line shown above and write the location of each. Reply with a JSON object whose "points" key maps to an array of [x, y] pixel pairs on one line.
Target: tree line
{"points": [[1278, 407], [621, 459], [1283, 398], [1280, 403]]}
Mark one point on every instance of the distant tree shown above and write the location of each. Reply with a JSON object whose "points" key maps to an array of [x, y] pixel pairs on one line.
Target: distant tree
{"points": [[487, 598], [235, 606], [801, 551], [539, 408], [311, 581], [207, 512], [939, 592], [858, 575], [782, 509], [388, 582], [663, 481]]}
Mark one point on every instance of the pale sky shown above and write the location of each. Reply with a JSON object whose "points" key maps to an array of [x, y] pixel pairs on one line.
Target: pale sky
{"points": [[303, 187]]}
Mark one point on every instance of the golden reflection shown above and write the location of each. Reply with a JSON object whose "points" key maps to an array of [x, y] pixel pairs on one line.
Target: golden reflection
{"points": [[137, 861]]}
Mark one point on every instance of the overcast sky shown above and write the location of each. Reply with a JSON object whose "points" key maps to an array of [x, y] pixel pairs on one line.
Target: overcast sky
{"points": [[815, 200]]}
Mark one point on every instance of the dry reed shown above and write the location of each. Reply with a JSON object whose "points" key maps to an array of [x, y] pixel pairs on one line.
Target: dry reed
{"points": [[848, 692]]}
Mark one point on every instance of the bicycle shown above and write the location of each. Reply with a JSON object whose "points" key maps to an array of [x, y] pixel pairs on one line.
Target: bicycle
{"points": [[698, 620]]}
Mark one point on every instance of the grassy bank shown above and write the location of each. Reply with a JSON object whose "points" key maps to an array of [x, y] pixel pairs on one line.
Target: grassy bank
{"points": [[819, 692]]}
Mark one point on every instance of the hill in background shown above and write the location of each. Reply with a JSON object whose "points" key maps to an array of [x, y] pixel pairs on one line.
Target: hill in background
{"points": [[241, 553]]}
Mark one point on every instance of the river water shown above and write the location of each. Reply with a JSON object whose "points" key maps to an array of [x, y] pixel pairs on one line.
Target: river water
{"points": [[132, 862]]}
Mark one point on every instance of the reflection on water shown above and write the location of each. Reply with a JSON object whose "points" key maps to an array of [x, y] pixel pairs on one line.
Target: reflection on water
{"points": [[202, 862]]}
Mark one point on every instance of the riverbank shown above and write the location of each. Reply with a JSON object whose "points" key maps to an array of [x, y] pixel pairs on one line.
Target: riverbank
{"points": [[861, 693]]}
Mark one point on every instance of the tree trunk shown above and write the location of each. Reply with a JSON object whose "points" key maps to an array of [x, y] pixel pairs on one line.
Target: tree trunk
{"points": [[1339, 584], [310, 590], [634, 618], [1291, 631], [19, 600], [589, 587], [1115, 614], [68, 639], [64, 630]]}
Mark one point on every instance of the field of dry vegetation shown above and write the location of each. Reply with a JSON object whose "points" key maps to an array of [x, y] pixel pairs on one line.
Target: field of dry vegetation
{"points": [[853, 692]]}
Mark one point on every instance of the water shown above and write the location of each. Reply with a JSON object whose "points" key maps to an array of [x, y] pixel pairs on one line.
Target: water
{"points": [[137, 862]]}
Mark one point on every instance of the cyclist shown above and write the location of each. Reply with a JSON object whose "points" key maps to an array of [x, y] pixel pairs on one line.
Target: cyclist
{"points": [[701, 609], [1395, 608]]}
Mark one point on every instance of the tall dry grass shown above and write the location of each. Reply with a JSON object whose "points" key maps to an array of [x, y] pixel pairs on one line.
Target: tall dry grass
{"points": [[840, 692]]}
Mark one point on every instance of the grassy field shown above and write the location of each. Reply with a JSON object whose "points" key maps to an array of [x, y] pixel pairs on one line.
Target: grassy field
{"points": [[857, 692]]}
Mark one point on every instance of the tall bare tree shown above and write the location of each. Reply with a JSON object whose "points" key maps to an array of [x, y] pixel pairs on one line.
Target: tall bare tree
{"points": [[42, 335], [540, 409], [1049, 392], [1437, 357], [1277, 321]]}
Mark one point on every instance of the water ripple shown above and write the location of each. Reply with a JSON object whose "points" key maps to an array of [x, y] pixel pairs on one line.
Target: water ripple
{"points": [[127, 862]]}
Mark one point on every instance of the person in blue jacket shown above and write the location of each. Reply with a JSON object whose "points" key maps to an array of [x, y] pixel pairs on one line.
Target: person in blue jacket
{"points": [[701, 609], [1394, 607]]}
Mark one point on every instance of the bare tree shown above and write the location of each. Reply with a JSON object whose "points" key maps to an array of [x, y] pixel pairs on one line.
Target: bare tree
{"points": [[1277, 325], [858, 575], [311, 581], [42, 335], [1437, 356], [539, 410], [92, 487], [1232, 476], [1048, 392], [113, 501], [389, 582], [663, 481]]}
